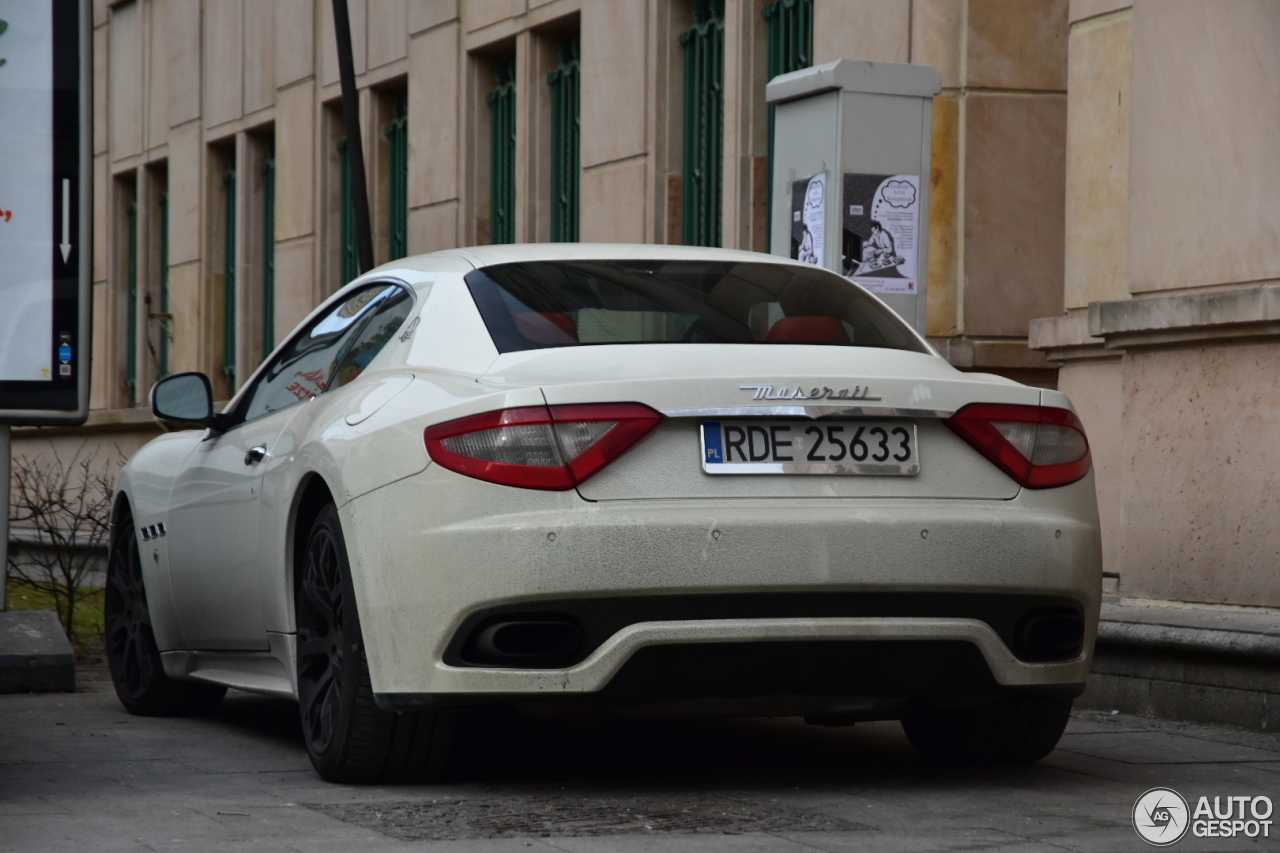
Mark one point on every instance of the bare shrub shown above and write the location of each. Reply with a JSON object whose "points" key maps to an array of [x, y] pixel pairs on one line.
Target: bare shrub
{"points": [[62, 509]]}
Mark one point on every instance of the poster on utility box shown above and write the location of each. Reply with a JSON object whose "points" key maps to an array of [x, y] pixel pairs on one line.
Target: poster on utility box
{"points": [[881, 230]]}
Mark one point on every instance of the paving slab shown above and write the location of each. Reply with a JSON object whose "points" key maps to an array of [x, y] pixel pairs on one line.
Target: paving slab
{"points": [[78, 773]]}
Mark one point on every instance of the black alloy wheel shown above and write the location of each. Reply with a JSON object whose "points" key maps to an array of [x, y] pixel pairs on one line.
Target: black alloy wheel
{"points": [[349, 738], [320, 640], [132, 654]]}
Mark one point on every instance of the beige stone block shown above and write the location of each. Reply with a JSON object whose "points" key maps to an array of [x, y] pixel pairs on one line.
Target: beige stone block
{"points": [[100, 223], [613, 203], [1020, 45], [614, 90], [936, 37], [124, 70], [328, 46], [295, 283], [387, 22], [1097, 201], [875, 30], [157, 71], [259, 55], [101, 90], [184, 62], [186, 185], [98, 391], [433, 228], [433, 116], [185, 304], [1014, 184], [295, 160], [425, 14], [1082, 9], [1095, 388], [294, 40], [477, 14], [1203, 169], [224, 61], [942, 313], [1200, 488]]}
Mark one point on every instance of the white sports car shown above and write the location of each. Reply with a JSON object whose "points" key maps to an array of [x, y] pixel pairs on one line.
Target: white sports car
{"points": [[637, 477]]}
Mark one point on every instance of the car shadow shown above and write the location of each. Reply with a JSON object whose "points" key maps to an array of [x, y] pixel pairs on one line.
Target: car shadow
{"points": [[499, 748]]}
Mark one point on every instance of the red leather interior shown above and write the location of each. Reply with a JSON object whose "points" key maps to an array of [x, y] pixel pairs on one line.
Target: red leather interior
{"points": [[548, 328], [808, 330]]}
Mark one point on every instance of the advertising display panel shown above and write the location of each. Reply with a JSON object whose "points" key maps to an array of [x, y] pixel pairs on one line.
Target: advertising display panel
{"points": [[45, 208]]}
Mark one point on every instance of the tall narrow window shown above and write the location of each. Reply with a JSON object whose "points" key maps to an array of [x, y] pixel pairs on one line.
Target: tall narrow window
{"points": [[502, 155], [397, 133], [350, 252], [229, 282], [703, 45], [790, 49], [564, 82], [131, 306], [166, 321], [268, 256]]}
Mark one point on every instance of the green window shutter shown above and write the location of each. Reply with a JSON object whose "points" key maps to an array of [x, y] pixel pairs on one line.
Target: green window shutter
{"points": [[131, 307], [790, 49], [166, 324], [229, 283], [703, 47], [268, 257], [502, 155], [397, 133], [564, 82], [350, 265]]}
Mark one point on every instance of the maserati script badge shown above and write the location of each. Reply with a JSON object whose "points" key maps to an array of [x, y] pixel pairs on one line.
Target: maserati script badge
{"points": [[766, 392]]}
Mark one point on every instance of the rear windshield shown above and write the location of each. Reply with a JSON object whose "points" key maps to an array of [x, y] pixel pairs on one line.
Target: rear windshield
{"points": [[542, 304]]}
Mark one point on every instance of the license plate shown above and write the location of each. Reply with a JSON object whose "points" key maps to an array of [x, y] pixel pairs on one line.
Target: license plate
{"points": [[782, 447]]}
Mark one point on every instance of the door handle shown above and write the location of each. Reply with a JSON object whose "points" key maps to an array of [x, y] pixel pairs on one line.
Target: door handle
{"points": [[255, 455]]}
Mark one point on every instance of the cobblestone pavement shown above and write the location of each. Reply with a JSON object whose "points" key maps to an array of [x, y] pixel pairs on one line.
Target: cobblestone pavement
{"points": [[78, 773]]}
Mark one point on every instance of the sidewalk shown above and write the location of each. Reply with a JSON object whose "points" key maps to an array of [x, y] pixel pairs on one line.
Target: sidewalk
{"points": [[1182, 663]]}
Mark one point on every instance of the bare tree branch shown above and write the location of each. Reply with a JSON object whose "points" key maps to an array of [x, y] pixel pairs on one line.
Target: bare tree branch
{"points": [[64, 509]]}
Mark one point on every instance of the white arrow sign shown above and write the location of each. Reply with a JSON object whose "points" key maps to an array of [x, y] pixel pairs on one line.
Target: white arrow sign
{"points": [[65, 245]]}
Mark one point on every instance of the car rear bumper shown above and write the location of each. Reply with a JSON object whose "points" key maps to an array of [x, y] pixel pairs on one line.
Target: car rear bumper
{"points": [[424, 562]]}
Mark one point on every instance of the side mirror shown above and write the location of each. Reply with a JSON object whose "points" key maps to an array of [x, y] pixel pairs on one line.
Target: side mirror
{"points": [[184, 397]]}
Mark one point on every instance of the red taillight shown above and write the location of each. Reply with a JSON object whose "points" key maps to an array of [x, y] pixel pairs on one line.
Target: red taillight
{"points": [[537, 447], [1038, 446]]}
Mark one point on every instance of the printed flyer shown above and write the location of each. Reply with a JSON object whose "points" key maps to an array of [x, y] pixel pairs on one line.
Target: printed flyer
{"points": [[881, 228], [808, 215]]}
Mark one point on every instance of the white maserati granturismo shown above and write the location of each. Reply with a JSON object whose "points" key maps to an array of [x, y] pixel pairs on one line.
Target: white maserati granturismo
{"points": [[642, 478]]}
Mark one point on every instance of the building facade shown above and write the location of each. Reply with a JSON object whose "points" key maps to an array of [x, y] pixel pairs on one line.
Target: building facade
{"points": [[1067, 141], [1168, 343]]}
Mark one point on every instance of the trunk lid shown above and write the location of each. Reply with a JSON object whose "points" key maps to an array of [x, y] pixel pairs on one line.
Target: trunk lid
{"points": [[729, 383]]}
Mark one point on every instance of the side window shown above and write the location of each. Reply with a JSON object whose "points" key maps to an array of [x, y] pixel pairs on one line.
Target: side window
{"points": [[309, 361], [373, 336]]}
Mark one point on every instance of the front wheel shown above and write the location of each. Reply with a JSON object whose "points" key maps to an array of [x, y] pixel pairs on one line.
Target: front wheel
{"points": [[132, 654], [1018, 730], [349, 738]]}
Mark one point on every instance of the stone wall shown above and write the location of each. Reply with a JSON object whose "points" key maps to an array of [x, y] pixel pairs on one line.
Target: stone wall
{"points": [[1169, 340]]}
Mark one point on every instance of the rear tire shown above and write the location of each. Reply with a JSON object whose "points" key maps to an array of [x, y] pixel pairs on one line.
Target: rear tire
{"points": [[132, 654], [1018, 730], [349, 738]]}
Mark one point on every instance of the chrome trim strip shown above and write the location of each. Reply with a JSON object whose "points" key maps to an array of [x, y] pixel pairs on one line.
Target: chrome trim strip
{"points": [[813, 412]]}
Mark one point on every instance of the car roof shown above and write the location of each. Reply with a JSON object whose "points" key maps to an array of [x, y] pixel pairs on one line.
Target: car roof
{"points": [[475, 257]]}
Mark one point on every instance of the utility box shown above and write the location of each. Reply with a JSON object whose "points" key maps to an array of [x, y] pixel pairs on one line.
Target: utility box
{"points": [[851, 174]]}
